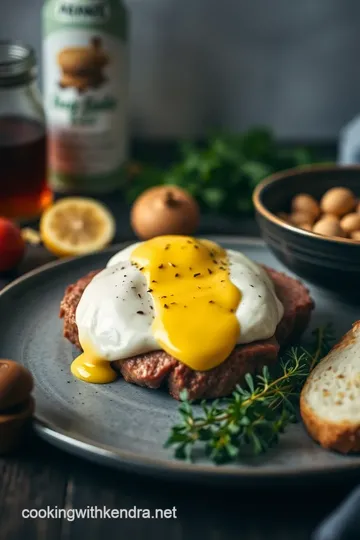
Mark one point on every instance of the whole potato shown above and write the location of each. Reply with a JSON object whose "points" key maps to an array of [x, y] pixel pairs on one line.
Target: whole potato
{"points": [[299, 218], [305, 203], [350, 222], [338, 201], [328, 227]]}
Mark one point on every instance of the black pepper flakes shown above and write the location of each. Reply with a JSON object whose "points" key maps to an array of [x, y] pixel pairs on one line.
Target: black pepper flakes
{"points": [[140, 313], [153, 281], [210, 271], [177, 275], [197, 274], [139, 295], [166, 306], [211, 302], [160, 266], [252, 286], [173, 303], [172, 264], [149, 290], [164, 297]]}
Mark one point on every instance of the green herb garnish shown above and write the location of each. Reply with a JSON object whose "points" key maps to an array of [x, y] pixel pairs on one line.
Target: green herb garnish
{"points": [[251, 420], [222, 173]]}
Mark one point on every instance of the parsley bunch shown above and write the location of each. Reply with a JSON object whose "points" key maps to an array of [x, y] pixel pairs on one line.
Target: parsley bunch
{"points": [[222, 173]]}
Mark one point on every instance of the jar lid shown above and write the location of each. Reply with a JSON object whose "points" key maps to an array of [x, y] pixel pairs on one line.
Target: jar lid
{"points": [[17, 63]]}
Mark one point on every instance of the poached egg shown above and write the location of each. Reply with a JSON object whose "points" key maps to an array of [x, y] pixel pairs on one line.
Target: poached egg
{"points": [[188, 297]]}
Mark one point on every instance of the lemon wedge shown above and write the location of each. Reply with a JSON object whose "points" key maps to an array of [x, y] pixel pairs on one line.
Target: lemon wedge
{"points": [[76, 226]]}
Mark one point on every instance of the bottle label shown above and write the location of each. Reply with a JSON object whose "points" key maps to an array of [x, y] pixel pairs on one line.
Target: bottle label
{"points": [[74, 12], [85, 96]]}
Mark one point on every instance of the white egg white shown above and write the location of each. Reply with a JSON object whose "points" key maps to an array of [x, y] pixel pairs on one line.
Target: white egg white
{"points": [[116, 311]]}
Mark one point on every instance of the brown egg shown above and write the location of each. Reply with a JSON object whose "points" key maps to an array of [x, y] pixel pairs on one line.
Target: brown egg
{"points": [[299, 218], [16, 384], [355, 235], [328, 227], [350, 222], [164, 210], [305, 203], [338, 201]]}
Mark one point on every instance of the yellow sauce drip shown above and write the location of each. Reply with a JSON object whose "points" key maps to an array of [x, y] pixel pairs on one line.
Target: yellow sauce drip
{"points": [[89, 367], [195, 301]]}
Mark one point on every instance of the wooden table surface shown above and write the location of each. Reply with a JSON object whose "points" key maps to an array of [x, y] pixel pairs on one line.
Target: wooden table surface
{"points": [[40, 476]]}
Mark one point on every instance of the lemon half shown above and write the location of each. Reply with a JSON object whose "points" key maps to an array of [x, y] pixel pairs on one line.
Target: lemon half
{"points": [[76, 226]]}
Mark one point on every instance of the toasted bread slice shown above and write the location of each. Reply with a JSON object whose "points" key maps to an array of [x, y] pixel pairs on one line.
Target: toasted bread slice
{"points": [[330, 399]]}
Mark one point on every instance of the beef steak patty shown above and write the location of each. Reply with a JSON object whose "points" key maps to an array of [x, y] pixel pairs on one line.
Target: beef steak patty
{"points": [[157, 368]]}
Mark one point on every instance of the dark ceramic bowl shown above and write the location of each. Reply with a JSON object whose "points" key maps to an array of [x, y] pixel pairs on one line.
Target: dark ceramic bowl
{"points": [[332, 263]]}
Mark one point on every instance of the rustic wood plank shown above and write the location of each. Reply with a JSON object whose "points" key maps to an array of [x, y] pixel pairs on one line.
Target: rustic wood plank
{"points": [[202, 511], [31, 479]]}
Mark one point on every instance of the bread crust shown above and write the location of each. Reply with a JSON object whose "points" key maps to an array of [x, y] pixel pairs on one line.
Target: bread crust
{"points": [[343, 437]]}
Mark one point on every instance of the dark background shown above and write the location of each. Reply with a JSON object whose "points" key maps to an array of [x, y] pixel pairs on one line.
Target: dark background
{"points": [[292, 65]]}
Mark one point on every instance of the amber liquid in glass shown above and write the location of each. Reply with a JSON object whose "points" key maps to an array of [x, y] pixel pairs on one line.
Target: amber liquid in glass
{"points": [[24, 193]]}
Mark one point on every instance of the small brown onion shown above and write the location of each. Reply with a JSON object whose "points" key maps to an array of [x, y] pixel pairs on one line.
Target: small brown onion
{"points": [[328, 227], [306, 226], [299, 218], [331, 217], [338, 201], [163, 210], [356, 236], [350, 222], [283, 216], [305, 203]]}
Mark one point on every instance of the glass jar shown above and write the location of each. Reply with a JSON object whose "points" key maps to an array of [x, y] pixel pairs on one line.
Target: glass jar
{"points": [[23, 172]]}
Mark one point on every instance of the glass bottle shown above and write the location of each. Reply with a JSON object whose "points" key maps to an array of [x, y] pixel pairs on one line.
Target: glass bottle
{"points": [[85, 64], [24, 192]]}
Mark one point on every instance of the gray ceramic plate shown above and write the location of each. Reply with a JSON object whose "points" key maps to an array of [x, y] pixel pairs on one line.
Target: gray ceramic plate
{"points": [[120, 424]]}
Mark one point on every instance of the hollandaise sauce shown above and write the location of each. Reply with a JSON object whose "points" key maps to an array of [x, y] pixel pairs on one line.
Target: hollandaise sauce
{"points": [[194, 298], [90, 367]]}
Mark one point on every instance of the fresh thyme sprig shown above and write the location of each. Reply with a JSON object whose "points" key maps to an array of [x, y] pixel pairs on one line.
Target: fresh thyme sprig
{"points": [[254, 416]]}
